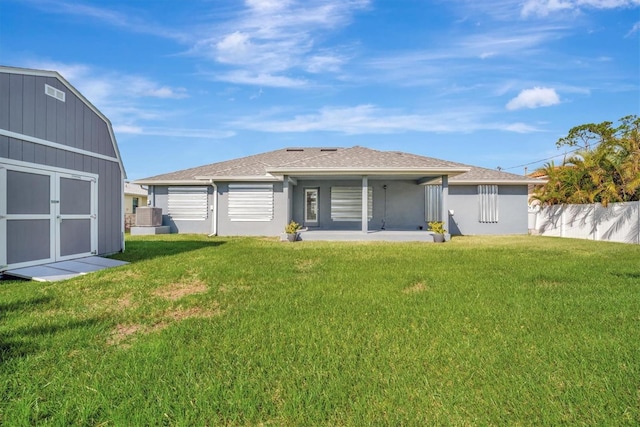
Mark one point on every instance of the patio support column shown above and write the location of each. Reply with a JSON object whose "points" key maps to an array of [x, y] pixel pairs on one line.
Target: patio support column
{"points": [[445, 202], [365, 203], [286, 193]]}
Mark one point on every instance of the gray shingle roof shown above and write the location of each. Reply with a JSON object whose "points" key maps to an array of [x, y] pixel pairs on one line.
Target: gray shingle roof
{"points": [[310, 159]]}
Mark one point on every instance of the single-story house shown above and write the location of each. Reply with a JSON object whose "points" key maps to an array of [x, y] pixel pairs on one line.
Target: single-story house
{"points": [[134, 196], [339, 189], [61, 174]]}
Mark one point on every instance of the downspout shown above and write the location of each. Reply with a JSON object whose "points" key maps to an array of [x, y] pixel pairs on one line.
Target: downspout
{"points": [[214, 213]]}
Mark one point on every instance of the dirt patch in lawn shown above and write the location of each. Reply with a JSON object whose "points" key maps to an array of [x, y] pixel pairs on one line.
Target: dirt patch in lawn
{"points": [[417, 288], [121, 334], [175, 291], [306, 265]]}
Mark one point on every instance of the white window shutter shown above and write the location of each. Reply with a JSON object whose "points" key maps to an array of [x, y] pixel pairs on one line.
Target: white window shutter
{"points": [[433, 203], [188, 203], [488, 203], [250, 202], [346, 203]]}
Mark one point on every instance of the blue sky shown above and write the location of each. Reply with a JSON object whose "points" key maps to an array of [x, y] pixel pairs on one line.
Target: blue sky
{"points": [[185, 83]]}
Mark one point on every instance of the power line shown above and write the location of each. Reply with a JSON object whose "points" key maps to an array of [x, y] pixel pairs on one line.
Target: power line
{"points": [[580, 147]]}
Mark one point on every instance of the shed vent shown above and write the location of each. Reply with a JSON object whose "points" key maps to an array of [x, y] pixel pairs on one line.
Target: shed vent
{"points": [[54, 93]]}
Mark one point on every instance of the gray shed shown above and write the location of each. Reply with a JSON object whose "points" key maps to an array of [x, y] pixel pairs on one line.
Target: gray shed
{"points": [[61, 174]]}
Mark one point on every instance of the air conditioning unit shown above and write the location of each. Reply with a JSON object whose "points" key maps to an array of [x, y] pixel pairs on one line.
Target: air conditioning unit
{"points": [[147, 216]]}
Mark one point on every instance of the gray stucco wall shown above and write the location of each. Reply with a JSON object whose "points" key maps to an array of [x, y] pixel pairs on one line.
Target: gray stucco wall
{"points": [[246, 228], [512, 210], [405, 209], [25, 109], [225, 227], [160, 198], [404, 204]]}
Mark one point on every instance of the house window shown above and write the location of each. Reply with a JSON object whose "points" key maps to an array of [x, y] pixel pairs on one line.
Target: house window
{"points": [[188, 203], [346, 203], [310, 205], [433, 203], [250, 202], [136, 201], [488, 203]]}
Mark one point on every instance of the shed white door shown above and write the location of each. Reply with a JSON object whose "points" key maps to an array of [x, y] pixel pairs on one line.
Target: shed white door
{"points": [[45, 216], [76, 223]]}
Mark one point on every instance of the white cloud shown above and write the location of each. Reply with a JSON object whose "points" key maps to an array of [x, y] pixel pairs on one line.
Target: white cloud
{"points": [[269, 5], [272, 37], [634, 29], [128, 21], [326, 62], [369, 119], [259, 79], [546, 7], [172, 132], [534, 98], [103, 87], [126, 99], [234, 48]]}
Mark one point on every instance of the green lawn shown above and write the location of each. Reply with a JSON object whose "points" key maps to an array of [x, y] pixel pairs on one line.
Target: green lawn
{"points": [[240, 331]]}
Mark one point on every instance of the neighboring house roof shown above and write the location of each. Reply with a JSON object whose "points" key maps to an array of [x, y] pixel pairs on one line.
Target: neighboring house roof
{"points": [[271, 166], [131, 189]]}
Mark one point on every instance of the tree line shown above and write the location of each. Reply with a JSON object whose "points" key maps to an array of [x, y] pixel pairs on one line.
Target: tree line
{"points": [[605, 167]]}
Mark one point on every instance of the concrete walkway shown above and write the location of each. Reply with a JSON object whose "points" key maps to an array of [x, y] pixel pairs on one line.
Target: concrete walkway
{"points": [[63, 270]]}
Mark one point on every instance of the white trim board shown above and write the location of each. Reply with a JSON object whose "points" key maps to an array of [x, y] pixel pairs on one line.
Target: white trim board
{"points": [[45, 168], [52, 144]]}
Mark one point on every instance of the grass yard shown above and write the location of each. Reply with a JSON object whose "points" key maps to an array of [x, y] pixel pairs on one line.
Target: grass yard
{"points": [[240, 331]]}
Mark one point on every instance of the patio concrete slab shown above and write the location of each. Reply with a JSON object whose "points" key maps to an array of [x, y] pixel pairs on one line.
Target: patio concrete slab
{"points": [[376, 235]]}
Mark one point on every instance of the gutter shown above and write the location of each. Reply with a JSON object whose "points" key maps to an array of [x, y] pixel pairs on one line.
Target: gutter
{"points": [[369, 171]]}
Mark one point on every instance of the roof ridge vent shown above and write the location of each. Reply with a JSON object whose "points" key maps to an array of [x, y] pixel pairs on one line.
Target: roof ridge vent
{"points": [[328, 149], [295, 149]]}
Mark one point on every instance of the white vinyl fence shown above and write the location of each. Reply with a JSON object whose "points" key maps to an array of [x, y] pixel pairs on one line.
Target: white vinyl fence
{"points": [[618, 222]]}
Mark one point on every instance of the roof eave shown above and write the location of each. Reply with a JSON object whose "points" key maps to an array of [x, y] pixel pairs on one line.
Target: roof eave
{"points": [[170, 182], [497, 182], [206, 180], [367, 171], [244, 178]]}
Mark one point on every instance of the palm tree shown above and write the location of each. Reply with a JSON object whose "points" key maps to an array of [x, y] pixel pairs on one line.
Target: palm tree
{"points": [[605, 173]]}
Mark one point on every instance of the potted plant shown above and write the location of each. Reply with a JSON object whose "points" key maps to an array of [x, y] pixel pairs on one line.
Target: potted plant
{"points": [[437, 228], [292, 231]]}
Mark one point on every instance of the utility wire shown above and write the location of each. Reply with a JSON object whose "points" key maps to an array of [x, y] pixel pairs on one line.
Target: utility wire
{"points": [[580, 147]]}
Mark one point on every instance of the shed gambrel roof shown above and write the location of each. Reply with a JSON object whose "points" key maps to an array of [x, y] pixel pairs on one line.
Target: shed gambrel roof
{"points": [[327, 161], [80, 96]]}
